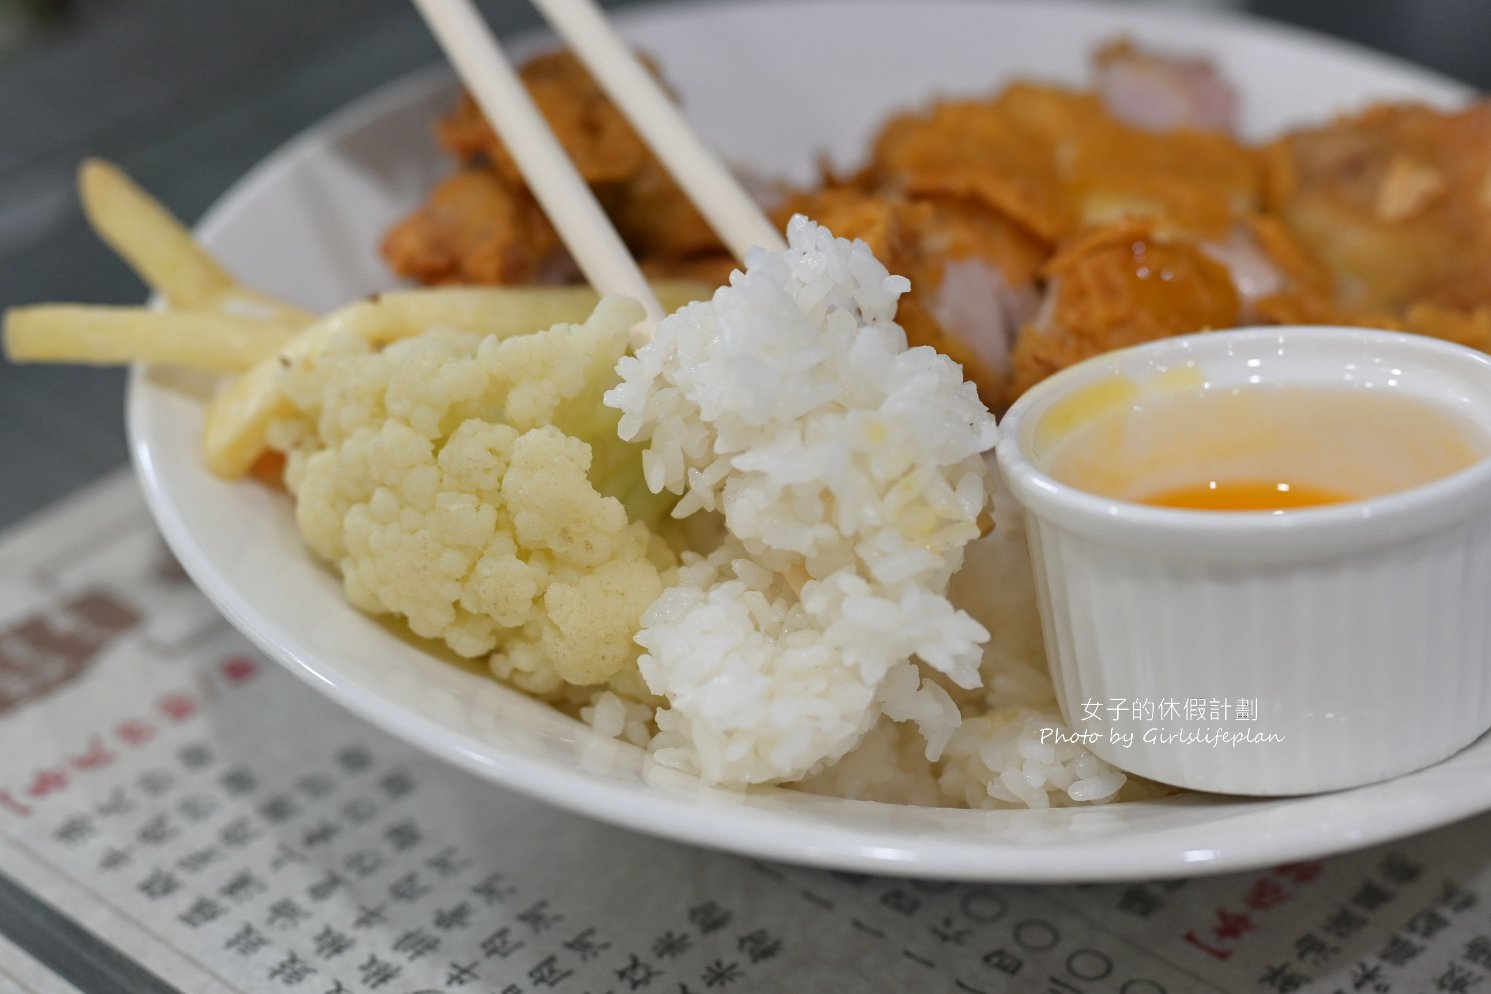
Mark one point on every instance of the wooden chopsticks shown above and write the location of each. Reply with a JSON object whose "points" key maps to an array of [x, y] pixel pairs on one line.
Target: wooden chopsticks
{"points": [[704, 179], [557, 186], [555, 183]]}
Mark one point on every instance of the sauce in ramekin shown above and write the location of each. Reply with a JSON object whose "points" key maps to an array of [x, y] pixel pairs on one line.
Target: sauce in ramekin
{"points": [[1246, 495], [1262, 449]]}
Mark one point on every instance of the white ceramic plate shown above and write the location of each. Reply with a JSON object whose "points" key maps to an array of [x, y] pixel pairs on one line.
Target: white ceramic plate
{"points": [[306, 223]]}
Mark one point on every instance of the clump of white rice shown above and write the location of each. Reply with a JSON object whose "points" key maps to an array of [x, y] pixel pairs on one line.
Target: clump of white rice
{"points": [[845, 637], [618, 717], [1004, 753], [847, 469], [997, 756]]}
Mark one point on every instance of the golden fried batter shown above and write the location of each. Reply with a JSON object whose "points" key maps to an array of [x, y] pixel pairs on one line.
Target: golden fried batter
{"points": [[1128, 208], [1395, 203], [477, 228], [1057, 161], [1122, 285], [600, 142], [654, 218], [1471, 328], [1002, 152]]}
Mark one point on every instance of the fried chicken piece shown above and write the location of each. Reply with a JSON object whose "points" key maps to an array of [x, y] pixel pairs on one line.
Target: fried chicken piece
{"points": [[477, 228], [1395, 203], [1298, 269], [1200, 181], [1001, 152], [1117, 301], [1121, 285], [1057, 161], [1468, 328], [1471, 328], [600, 142], [972, 270], [655, 219]]}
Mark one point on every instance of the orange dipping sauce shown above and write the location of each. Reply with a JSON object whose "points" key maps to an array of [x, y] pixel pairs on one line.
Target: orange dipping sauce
{"points": [[1245, 495], [1265, 450]]}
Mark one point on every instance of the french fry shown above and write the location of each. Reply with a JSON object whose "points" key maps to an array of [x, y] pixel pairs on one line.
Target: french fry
{"points": [[160, 249], [238, 419], [164, 254], [110, 335]]}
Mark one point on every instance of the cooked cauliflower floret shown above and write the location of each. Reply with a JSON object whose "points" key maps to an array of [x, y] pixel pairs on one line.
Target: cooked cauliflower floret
{"points": [[452, 480]]}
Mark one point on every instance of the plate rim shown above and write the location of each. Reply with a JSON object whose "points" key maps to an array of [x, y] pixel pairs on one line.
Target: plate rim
{"points": [[738, 829]]}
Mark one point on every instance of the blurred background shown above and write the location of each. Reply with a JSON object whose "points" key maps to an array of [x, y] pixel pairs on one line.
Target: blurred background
{"points": [[188, 95]]}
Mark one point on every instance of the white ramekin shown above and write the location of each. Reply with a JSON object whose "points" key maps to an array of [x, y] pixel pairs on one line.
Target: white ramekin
{"points": [[1361, 630]]}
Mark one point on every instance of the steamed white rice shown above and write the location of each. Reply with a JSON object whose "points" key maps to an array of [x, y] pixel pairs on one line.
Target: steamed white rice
{"points": [[822, 643], [995, 757]]}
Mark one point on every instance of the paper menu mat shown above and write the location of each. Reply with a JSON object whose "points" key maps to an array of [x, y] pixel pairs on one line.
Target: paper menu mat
{"points": [[185, 801]]}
